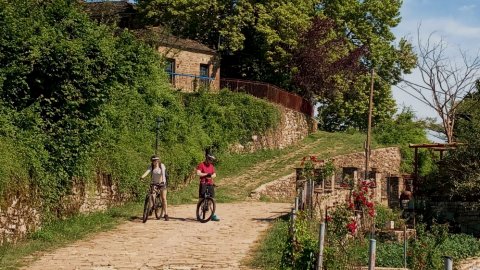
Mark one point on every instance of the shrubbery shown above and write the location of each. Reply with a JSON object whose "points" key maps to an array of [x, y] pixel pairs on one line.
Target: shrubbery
{"points": [[343, 250], [77, 100], [402, 130]]}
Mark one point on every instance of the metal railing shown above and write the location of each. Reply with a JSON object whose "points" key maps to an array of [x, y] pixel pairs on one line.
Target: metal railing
{"points": [[270, 92], [190, 82]]}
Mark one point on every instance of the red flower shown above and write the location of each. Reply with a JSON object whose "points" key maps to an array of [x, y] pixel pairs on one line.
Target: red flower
{"points": [[328, 219], [352, 227], [351, 206]]}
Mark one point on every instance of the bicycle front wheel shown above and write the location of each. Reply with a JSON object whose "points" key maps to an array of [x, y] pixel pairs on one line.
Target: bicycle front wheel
{"points": [[146, 208], [205, 209], [158, 207]]}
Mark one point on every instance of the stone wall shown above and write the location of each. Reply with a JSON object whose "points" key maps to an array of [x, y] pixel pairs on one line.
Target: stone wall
{"points": [[281, 189], [293, 127], [465, 215], [385, 160], [20, 214], [468, 264]]}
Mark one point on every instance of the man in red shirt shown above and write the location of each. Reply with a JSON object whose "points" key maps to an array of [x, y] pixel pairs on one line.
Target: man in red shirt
{"points": [[206, 171]]}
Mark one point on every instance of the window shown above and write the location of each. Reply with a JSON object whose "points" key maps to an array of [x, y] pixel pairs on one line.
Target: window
{"points": [[170, 69], [205, 75]]}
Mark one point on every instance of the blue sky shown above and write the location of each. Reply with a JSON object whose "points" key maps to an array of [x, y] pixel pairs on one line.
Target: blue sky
{"points": [[456, 21]]}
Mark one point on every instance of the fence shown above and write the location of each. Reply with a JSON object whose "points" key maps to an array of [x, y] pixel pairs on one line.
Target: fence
{"points": [[190, 82], [270, 92]]}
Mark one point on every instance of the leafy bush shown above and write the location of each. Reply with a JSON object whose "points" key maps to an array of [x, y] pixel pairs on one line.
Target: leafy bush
{"points": [[78, 99], [300, 252], [402, 130], [426, 252]]}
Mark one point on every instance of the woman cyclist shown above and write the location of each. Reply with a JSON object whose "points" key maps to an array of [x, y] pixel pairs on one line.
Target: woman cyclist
{"points": [[158, 172]]}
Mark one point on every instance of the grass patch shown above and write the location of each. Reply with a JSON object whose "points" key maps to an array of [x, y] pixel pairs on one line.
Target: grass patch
{"points": [[268, 254], [61, 232]]}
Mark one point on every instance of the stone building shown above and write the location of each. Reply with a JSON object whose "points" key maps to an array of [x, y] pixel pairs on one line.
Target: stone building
{"points": [[189, 64]]}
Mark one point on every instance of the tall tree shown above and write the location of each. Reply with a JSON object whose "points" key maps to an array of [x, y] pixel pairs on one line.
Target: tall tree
{"points": [[217, 23], [467, 127], [445, 81], [325, 63], [362, 41]]}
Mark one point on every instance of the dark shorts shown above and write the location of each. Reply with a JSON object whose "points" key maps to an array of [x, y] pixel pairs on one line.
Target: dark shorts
{"points": [[161, 186], [203, 187]]}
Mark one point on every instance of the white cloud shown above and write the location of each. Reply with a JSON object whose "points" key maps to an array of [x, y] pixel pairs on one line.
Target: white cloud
{"points": [[466, 8], [452, 31]]}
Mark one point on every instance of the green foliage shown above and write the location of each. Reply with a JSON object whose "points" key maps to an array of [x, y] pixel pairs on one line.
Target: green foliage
{"points": [[384, 214], [269, 254], [349, 109], [300, 252], [403, 130], [77, 100], [425, 253], [459, 173], [467, 127], [459, 170], [228, 117], [217, 23]]}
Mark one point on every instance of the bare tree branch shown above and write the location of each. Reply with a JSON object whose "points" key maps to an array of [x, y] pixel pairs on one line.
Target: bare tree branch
{"points": [[444, 81]]}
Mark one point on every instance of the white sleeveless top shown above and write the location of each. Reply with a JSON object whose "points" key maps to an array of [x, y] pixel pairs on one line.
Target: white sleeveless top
{"points": [[158, 174]]}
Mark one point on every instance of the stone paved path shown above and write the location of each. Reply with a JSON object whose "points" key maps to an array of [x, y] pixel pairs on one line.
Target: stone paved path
{"points": [[181, 243]]}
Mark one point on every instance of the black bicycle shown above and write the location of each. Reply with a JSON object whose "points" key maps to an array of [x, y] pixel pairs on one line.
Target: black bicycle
{"points": [[153, 202], [206, 206]]}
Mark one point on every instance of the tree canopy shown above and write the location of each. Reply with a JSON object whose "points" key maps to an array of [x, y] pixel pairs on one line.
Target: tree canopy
{"points": [[312, 47]]}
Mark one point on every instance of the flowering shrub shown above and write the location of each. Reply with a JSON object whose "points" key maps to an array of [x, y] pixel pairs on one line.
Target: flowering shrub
{"points": [[316, 169], [361, 208], [352, 226]]}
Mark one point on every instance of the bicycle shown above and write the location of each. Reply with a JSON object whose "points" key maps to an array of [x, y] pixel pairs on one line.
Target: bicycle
{"points": [[153, 202], [206, 206]]}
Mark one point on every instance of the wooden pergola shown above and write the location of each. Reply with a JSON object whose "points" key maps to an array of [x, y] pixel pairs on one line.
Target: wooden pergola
{"points": [[439, 147]]}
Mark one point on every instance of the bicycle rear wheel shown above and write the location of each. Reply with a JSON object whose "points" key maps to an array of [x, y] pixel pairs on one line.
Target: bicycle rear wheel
{"points": [[158, 207], [147, 208], [205, 209]]}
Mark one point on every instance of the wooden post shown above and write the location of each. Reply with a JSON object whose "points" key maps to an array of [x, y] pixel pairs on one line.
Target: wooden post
{"points": [[369, 128], [321, 241]]}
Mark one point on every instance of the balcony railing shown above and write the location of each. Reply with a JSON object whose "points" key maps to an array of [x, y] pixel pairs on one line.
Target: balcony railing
{"points": [[189, 82], [270, 92]]}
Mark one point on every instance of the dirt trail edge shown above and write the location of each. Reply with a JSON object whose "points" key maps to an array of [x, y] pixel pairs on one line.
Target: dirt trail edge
{"points": [[181, 243]]}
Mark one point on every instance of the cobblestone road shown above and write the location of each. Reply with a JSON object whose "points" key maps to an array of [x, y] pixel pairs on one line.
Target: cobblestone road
{"points": [[181, 243]]}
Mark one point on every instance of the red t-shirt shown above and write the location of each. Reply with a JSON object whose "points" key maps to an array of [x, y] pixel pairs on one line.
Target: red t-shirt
{"points": [[204, 168]]}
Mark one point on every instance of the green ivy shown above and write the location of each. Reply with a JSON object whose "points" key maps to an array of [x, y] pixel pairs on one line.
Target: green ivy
{"points": [[78, 99]]}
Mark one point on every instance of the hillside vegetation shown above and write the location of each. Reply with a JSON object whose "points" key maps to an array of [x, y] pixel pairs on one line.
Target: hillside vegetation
{"points": [[77, 100]]}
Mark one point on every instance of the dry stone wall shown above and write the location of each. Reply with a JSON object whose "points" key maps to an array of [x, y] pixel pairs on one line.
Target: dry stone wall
{"points": [[293, 127], [468, 264], [384, 160], [20, 214], [465, 214]]}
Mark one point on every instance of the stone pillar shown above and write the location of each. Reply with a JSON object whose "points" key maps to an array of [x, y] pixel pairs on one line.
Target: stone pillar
{"points": [[376, 176]]}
